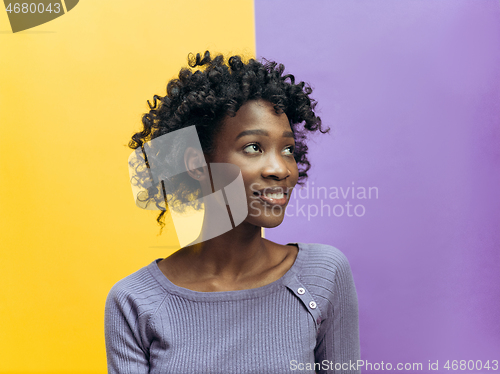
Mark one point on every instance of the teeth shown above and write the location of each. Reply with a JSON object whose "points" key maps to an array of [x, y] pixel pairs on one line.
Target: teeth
{"points": [[275, 195]]}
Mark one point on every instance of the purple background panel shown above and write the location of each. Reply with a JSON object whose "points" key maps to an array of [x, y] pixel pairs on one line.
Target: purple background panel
{"points": [[411, 92]]}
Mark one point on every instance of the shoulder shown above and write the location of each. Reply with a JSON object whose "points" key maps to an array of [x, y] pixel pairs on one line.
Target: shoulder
{"points": [[137, 292], [323, 259], [325, 272]]}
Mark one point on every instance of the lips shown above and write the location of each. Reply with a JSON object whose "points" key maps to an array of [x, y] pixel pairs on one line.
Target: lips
{"points": [[273, 195]]}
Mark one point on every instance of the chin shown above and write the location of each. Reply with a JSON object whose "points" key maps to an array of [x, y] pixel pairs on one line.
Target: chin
{"points": [[268, 225], [267, 222], [264, 215]]}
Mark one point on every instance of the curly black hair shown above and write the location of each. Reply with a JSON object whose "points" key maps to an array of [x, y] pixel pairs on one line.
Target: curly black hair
{"points": [[217, 89]]}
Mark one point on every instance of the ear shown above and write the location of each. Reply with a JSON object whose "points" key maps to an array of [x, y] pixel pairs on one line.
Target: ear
{"points": [[195, 164]]}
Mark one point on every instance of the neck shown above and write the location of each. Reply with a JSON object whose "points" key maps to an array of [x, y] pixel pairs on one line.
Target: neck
{"points": [[233, 254]]}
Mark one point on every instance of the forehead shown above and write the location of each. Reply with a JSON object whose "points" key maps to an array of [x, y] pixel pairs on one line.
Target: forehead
{"points": [[255, 114]]}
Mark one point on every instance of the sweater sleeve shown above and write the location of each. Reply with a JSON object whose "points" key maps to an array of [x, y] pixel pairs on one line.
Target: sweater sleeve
{"points": [[125, 352], [337, 346]]}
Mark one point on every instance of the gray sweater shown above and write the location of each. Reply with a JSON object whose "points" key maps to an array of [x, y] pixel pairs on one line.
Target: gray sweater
{"points": [[304, 322]]}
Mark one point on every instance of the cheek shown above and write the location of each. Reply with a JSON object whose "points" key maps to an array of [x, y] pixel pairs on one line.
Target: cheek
{"points": [[249, 179], [249, 172]]}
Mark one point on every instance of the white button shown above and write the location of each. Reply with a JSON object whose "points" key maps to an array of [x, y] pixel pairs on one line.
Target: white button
{"points": [[301, 291], [312, 305]]}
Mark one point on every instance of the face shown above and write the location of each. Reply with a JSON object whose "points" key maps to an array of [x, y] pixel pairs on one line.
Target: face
{"points": [[261, 143]]}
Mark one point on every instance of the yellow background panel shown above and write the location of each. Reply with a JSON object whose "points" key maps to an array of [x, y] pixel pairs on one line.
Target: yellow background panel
{"points": [[72, 92]]}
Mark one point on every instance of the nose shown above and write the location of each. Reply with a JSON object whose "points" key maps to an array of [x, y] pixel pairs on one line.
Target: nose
{"points": [[275, 167]]}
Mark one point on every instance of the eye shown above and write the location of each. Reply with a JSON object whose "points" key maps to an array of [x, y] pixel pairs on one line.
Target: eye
{"points": [[289, 150], [252, 148]]}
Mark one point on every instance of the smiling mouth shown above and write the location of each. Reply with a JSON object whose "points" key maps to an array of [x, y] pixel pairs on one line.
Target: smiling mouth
{"points": [[273, 196]]}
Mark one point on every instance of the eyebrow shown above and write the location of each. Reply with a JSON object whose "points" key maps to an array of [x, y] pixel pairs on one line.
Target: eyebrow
{"points": [[286, 134]]}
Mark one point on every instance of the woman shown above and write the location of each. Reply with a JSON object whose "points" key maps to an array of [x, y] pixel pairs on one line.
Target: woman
{"points": [[236, 302]]}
